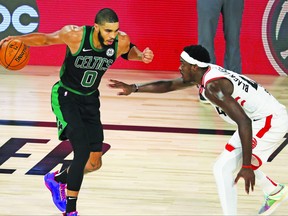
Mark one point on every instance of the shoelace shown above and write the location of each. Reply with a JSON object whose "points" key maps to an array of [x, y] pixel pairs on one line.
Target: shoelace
{"points": [[62, 191], [266, 200], [275, 195]]}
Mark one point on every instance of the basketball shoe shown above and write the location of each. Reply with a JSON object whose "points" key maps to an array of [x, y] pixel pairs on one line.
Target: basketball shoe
{"points": [[273, 201], [57, 190], [75, 213], [202, 99]]}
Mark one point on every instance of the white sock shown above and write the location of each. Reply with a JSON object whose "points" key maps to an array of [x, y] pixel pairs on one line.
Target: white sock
{"points": [[266, 184]]}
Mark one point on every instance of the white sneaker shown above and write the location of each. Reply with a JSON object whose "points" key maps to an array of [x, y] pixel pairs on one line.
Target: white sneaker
{"points": [[273, 201], [202, 99]]}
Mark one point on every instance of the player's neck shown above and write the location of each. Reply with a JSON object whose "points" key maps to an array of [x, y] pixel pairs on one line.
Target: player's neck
{"points": [[96, 42], [199, 76]]}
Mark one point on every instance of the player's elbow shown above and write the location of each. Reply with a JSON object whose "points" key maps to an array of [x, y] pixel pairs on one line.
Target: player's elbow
{"points": [[244, 122], [247, 121]]}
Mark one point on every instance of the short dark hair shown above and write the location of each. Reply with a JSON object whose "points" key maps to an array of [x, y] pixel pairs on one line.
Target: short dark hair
{"points": [[106, 15], [198, 52]]}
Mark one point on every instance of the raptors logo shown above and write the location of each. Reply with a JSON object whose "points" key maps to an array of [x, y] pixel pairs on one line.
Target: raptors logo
{"points": [[275, 34]]}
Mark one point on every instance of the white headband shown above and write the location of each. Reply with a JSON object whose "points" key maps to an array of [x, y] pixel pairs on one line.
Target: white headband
{"points": [[193, 61]]}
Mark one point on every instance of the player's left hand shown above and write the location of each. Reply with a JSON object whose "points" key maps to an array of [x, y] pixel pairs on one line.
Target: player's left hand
{"points": [[147, 55], [126, 88], [249, 178]]}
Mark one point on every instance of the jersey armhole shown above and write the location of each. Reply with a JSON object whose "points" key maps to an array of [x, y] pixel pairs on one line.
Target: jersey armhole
{"points": [[116, 47], [82, 42]]}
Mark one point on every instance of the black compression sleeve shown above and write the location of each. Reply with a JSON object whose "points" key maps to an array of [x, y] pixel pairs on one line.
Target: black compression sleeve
{"points": [[125, 55]]}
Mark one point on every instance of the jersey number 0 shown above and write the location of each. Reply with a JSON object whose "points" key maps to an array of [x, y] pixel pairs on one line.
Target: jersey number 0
{"points": [[89, 78]]}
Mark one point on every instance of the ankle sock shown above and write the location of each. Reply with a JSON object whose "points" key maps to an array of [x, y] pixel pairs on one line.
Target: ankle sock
{"points": [[71, 204]]}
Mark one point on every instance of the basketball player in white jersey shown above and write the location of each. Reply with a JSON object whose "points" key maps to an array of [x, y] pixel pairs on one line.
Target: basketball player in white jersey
{"points": [[261, 120]]}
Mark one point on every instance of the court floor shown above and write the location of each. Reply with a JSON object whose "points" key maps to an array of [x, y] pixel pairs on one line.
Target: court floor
{"points": [[163, 147]]}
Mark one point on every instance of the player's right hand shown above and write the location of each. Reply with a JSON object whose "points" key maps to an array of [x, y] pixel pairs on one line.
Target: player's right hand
{"points": [[249, 178], [6, 39]]}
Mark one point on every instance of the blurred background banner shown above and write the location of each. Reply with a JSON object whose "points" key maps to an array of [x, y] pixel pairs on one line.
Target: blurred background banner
{"points": [[165, 26]]}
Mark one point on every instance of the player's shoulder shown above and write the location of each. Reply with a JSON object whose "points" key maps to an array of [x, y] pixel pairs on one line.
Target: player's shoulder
{"points": [[122, 34], [214, 73], [123, 38], [216, 70], [72, 33], [73, 29]]}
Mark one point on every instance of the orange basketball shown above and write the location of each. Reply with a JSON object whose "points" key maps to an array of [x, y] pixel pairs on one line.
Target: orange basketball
{"points": [[14, 54]]}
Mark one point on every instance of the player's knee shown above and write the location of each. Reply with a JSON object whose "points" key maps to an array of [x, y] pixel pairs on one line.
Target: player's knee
{"points": [[217, 168], [223, 168], [80, 142], [220, 169]]}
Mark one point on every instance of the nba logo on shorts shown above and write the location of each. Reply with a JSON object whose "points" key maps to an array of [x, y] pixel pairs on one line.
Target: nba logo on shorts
{"points": [[275, 34]]}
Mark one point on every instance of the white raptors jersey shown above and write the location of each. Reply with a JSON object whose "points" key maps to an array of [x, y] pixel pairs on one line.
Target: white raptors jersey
{"points": [[255, 100]]}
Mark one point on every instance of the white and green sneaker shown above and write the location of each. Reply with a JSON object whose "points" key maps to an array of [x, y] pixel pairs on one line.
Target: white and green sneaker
{"points": [[273, 201]]}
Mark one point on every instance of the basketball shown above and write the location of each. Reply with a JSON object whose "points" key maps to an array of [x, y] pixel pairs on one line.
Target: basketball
{"points": [[14, 54]]}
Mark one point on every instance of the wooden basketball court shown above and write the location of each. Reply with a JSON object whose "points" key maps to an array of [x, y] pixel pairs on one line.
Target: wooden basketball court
{"points": [[163, 147]]}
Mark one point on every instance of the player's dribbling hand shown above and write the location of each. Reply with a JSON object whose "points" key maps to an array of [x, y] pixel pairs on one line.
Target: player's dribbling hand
{"points": [[2, 41], [126, 89], [147, 55], [6, 39]]}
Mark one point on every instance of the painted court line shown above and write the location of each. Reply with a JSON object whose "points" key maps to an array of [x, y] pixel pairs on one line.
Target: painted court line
{"points": [[126, 128]]}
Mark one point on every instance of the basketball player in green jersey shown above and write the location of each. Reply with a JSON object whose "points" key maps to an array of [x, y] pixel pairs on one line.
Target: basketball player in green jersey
{"points": [[91, 50]]}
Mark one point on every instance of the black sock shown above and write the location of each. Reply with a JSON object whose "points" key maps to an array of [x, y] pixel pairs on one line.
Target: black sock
{"points": [[71, 204], [61, 177]]}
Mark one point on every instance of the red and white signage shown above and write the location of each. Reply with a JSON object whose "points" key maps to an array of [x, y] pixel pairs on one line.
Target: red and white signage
{"points": [[164, 26]]}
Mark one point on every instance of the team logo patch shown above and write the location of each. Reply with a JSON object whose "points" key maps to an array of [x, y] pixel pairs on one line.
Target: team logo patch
{"points": [[275, 34], [110, 52]]}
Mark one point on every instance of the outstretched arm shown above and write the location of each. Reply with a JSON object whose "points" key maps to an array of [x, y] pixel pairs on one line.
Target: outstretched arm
{"points": [[36, 39], [66, 35], [159, 86]]}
